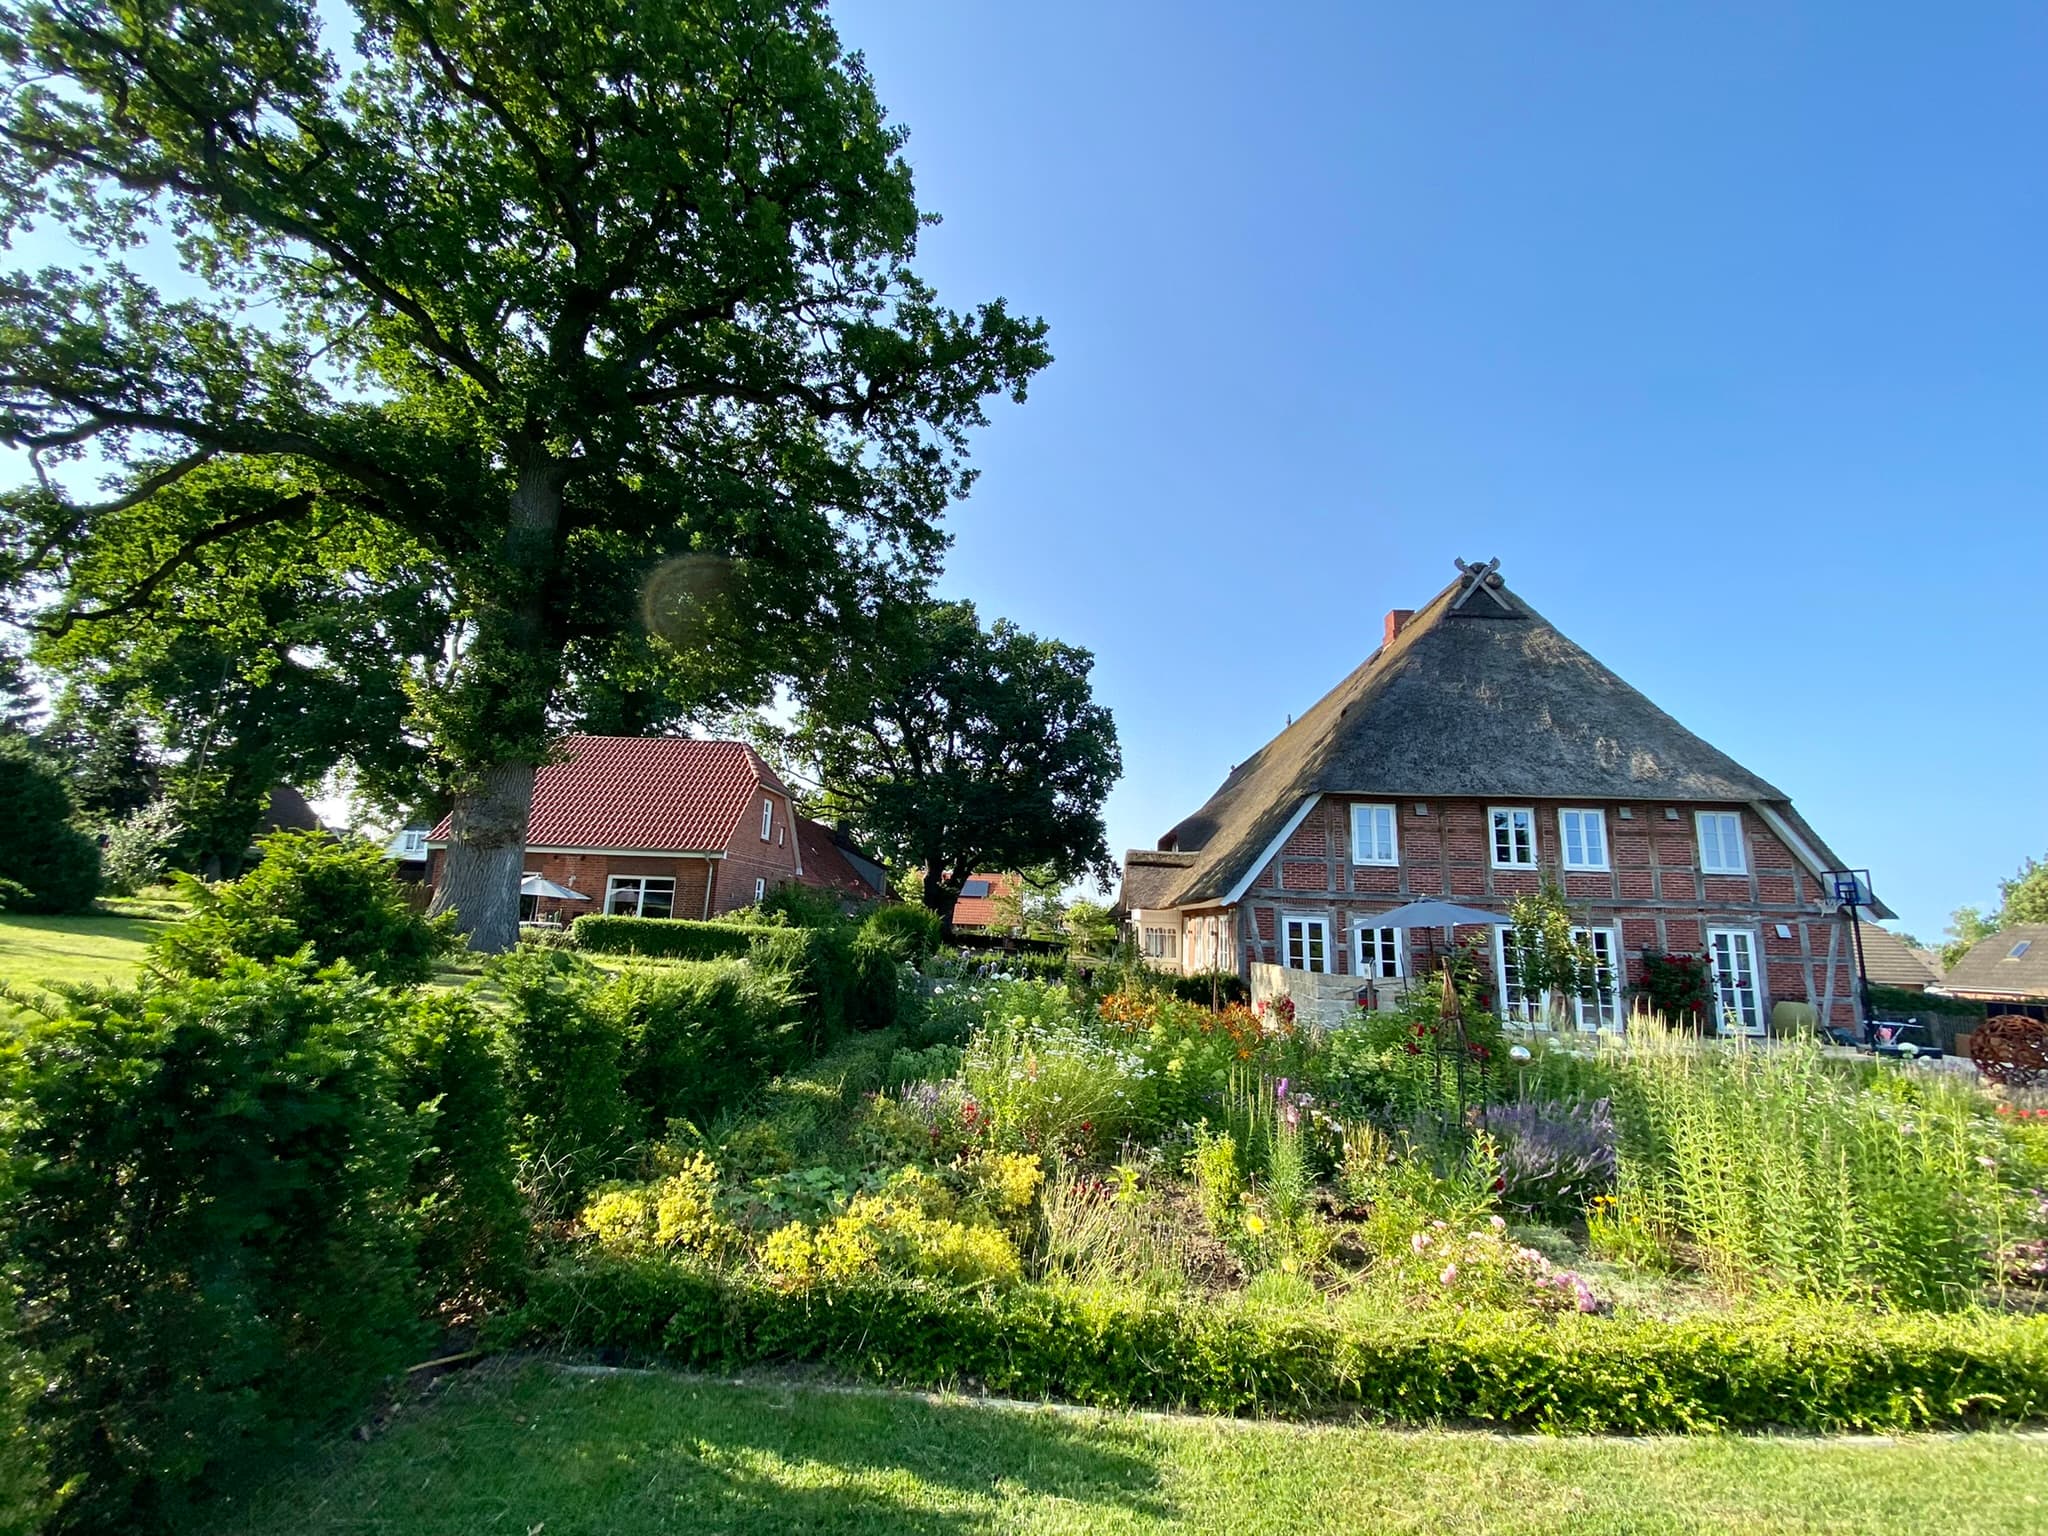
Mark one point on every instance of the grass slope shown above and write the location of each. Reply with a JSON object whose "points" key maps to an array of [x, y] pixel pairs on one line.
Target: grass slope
{"points": [[527, 1449], [37, 951]]}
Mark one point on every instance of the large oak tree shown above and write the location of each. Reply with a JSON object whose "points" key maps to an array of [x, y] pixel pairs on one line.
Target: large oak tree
{"points": [[606, 306], [951, 748]]}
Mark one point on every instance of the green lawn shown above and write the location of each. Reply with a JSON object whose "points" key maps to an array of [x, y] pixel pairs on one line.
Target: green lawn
{"points": [[531, 1449], [36, 951]]}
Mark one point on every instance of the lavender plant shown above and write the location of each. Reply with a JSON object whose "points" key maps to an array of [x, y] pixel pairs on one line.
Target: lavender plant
{"points": [[1554, 1156]]}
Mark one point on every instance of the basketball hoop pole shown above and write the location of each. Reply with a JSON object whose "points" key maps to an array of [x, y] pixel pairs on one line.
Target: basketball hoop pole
{"points": [[1856, 883]]}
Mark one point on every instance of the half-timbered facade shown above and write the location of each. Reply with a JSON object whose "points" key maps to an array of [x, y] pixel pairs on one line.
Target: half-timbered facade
{"points": [[1475, 756]]}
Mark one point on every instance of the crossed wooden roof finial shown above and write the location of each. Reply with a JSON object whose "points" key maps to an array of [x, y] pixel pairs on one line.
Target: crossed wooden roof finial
{"points": [[1481, 578]]}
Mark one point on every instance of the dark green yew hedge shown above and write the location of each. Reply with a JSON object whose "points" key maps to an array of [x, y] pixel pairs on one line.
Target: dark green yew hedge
{"points": [[1805, 1369], [663, 938]]}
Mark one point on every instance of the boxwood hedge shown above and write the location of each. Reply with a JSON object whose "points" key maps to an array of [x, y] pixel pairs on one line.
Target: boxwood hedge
{"points": [[1798, 1369]]}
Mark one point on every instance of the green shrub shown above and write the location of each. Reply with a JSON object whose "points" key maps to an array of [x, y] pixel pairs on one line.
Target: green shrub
{"points": [[1794, 1369], [800, 906], [55, 866], [472, 1221], [339, 897], [1211, 988], [820, 966], [661, 937], [696, 1037], [1888, 1000], [208, 1224], [876, 998], [912, 933], [566, 1072]]}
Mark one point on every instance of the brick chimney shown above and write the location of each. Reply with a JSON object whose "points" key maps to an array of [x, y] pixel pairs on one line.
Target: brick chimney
{"points": [[1396, 619]]}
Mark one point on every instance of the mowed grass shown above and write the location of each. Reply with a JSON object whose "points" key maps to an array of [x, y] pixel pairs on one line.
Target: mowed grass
{"points": [[528, 1449], [97, 949]]}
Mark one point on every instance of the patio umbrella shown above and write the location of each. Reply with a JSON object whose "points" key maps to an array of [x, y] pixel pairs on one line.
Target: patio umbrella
{"points": [[1437, 914], [534, 885]]}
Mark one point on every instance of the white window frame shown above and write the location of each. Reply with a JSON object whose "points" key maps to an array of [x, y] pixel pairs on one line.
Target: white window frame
{"points": [[760, 890], [1365, 836], [1515, 1006], [767, 817], [1367, 963], [1493, 831], [412, 841], [1307, 920], [1602, 1011], [1589, 816], [615, 883], [1162, 943], [1700, 821], [1756, 1026]]}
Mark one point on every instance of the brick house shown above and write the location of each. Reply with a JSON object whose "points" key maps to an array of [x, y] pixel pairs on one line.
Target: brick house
{"points": [[1475, 754], [663, 826]]}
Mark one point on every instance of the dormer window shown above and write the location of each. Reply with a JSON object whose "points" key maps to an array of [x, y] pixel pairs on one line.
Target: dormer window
{"points": [[1721, 851], [1514, 836], [767, 818]]}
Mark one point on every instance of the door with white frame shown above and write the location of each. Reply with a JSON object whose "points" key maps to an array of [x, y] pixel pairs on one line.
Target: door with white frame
{"points": [[1738, 986], [1600, 1009]]}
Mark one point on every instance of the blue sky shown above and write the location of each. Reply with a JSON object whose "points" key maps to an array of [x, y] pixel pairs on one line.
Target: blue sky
{"points": [[1725, 327]]}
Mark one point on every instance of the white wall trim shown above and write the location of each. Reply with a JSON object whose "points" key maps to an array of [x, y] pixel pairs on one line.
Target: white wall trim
{"points": [[1236, 893]]}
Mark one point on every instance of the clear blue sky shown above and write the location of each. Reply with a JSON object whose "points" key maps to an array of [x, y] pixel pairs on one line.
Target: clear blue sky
{"points": [[1724, 326]]}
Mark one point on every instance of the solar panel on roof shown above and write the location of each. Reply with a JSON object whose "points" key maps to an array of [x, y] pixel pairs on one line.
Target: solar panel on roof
{"points": [[974, 888]]}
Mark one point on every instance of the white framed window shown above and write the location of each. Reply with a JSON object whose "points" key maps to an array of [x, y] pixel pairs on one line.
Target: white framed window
{"points": [[1600, 1008], [1372, 835], [760, 890], [1738, 994], [1721, 850], [1514, 836], [412, 842], [640, 896], [1162, 943], [767, 818], [1306, 944], [1515, 1007], [1377, 950], [1582, 834]]}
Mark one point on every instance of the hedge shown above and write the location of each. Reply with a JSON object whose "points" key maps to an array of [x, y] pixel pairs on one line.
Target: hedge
{"points": [[1885, 999], [662, 938], [1803, 1370]]}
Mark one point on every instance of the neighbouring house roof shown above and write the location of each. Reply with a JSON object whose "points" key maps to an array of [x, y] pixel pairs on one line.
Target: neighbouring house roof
{"points": [[978, 910], [1150, 875], [1476, 695], [288, 811], [658, 794], [835, 864], [1931, 958], [1992, 970], [1890, 962]]}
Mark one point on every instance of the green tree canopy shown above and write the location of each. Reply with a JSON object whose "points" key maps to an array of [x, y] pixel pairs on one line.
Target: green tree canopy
{"points": [[46, 864], [2021, 899], [607, 307], [951, 748]]}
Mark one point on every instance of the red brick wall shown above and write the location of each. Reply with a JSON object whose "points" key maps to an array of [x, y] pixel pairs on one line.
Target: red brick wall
{"points": [[1653, 890]]}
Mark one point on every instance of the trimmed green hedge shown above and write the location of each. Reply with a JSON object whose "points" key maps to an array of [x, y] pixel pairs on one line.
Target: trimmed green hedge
{"points": [[1805, 1370], [1904, 1000], [662, 938]]}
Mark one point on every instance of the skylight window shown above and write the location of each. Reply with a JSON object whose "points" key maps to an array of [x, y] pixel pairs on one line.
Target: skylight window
{"points": [[2020, 949]]}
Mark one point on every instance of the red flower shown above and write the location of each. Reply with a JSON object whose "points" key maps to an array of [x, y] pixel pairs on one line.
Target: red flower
{"points": [[1412, 1048]]}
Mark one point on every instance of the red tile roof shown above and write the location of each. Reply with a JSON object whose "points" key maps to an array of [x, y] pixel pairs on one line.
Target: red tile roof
{"points": [[664, 794], [980, 911], [825, 865]]}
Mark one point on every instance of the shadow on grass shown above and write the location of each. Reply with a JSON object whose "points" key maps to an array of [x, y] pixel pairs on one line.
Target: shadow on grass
{"points": [[523, 1447]]}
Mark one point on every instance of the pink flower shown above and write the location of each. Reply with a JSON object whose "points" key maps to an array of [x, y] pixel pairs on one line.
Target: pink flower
{"points": [[1450, 1274], [1496, 1223], [1419, 1242]]}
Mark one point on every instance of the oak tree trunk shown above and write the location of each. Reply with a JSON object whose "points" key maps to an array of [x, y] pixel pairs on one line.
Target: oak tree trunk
{"points": [[941, 896], [488, 823]]}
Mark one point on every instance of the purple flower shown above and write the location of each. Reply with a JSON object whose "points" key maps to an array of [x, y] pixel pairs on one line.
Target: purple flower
{"points": [[1280, 1089]]}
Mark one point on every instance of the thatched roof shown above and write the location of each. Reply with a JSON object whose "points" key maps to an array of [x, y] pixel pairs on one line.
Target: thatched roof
{"points": [[1992, 970], [1150, 875], [1477, 695]]}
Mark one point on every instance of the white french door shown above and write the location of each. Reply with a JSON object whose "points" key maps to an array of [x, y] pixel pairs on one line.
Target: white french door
{"points": [[1601, 1008], [1738, 991], [1307, 946]]}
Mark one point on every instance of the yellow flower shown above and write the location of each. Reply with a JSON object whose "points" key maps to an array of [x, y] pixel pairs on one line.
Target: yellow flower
{"points": [[1254, 1224]]}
